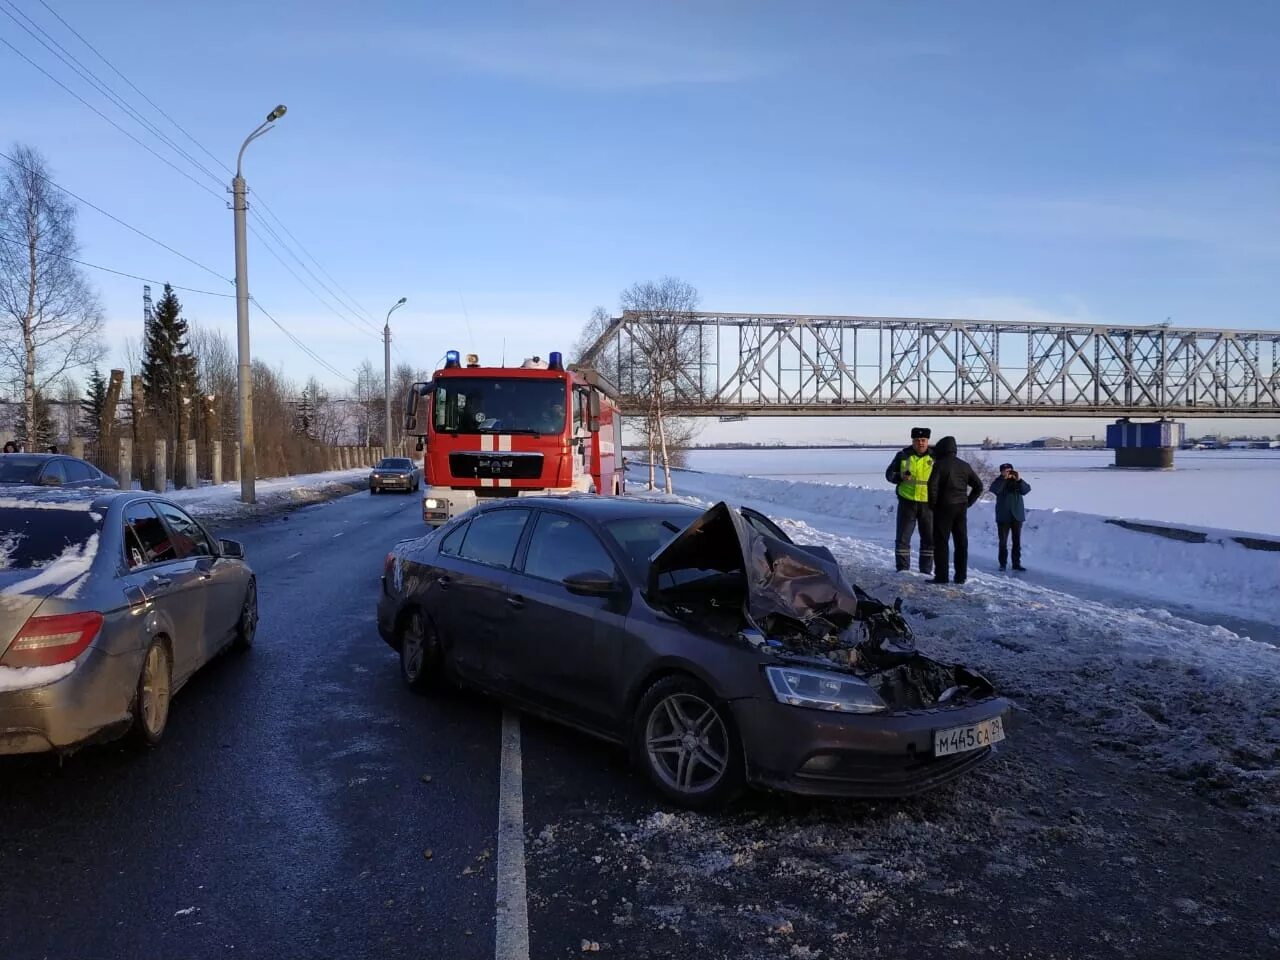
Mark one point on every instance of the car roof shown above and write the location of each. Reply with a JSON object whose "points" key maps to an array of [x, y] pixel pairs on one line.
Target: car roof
{"points": [[43, 458], [96, 497], [604, 509]]}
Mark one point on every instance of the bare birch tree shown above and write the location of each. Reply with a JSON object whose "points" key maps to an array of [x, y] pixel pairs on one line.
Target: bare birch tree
{"points": [[668, 348], [50, 319]]}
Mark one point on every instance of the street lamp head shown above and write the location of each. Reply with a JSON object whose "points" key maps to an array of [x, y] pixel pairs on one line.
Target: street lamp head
{"points": [[277, 113], [402, 300]]}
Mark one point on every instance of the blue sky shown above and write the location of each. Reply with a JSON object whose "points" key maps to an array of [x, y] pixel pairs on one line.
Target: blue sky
{"points": [[509, 166]]}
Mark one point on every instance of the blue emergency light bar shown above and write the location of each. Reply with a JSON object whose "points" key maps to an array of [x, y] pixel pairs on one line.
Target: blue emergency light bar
{"points": [[452, 358], [555, 361]]}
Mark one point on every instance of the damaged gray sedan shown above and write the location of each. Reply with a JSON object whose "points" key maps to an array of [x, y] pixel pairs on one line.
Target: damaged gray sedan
{"points": [[719, 651]]}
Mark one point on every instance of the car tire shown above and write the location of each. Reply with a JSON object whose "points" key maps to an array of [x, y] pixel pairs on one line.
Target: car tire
{"points": [[247, 625], [684, 739], [421, 660], [153, 695]]}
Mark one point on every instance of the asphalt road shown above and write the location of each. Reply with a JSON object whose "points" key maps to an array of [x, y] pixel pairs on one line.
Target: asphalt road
{"points": [[287, 814]]}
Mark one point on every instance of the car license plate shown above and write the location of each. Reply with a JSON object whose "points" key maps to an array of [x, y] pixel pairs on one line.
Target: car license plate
{"points": [[974, 736]]}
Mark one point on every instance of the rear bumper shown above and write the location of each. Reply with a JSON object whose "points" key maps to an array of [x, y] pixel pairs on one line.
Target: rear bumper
{"points": [[817, 753], [93, 702], [388, 612]]}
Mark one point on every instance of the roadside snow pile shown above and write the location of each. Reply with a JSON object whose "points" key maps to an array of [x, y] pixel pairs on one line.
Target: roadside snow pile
{"points": [[1219, 575], [223, 501]]}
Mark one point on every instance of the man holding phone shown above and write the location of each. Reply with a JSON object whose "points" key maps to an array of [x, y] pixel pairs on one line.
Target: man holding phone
{"points": [[1009, 489], [909, 471]]}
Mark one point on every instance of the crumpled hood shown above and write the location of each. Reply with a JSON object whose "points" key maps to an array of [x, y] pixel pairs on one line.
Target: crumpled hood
{"points": [[800, 583], [800, 604]]}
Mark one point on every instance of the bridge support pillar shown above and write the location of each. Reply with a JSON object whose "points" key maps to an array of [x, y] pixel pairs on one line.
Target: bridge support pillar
{"points": [[1144, 445]]}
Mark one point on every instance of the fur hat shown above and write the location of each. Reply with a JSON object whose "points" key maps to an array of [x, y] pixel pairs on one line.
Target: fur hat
{"points": [[1006, 466], [918, 433]]}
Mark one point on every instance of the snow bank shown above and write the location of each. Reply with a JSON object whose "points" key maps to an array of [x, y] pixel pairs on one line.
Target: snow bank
{"points": [[223, 501], [1219, 575]]}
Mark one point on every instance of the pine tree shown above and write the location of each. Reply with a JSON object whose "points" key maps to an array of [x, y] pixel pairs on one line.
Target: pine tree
{"points": [[46, 434], [92, 405], [169, 372]]}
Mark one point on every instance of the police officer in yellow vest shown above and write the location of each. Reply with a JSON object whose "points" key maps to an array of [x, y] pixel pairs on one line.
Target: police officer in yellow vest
{"points": [[909, 471]]}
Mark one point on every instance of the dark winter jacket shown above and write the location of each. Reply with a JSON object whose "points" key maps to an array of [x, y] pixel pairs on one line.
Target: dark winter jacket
{"points": [[1009, 494], [953, 485]]}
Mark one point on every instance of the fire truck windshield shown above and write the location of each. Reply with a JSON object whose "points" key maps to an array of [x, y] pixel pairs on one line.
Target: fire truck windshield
{"points": [[499, 405]]}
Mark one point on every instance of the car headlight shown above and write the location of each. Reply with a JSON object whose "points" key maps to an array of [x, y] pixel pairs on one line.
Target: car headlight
{"points": [[822, 690], [431, 503]]}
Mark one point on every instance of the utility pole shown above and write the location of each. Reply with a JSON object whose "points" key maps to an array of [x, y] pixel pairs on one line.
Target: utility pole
{"points": [[248, 462], [386, 382]]}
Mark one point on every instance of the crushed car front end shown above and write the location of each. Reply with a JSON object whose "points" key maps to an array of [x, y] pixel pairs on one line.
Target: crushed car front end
{"points": [[845, 705]]}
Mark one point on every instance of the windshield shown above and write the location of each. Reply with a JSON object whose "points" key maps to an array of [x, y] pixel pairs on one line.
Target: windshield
{"points": [[499, 405], [32, 537], [394, 463], [640, 537], [15, 468]]}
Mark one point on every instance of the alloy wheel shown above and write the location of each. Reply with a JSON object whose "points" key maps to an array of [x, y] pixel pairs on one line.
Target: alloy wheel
{"points": [[687, 744], [155, 691]]}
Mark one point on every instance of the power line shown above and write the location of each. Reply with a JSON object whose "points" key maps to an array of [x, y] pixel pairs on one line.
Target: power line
{"points": [[287, 249], [157, 107], [302, 346], [178, 253], [118, 273], [165, 160], [310, 289], [69, 59]]}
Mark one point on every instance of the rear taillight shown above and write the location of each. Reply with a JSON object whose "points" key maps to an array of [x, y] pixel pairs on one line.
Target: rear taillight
{"points": [[387, 564], [45, 641]]}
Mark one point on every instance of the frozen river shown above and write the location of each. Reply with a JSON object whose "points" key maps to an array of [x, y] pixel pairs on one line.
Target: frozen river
{"points": [[1227, 489]]}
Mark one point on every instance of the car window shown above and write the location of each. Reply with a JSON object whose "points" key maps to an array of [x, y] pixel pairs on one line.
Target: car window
{"points": [[15, 468], [77, 471], [561, 546], [640, 537], [189, 538], [31, 537], [146, 539], [492, 537], [453, 540], [53, 473], [394, 463], [762, 524]]}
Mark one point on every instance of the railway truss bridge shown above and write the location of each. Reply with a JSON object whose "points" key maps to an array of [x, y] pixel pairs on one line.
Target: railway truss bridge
{"points": [[734, 365]]}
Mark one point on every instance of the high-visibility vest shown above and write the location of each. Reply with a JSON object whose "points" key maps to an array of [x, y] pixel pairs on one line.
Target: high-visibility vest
{"points": [[917, 488]]}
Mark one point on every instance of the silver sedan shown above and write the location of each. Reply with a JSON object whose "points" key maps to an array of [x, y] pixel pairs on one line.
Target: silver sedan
{"points": [[109, 602]]}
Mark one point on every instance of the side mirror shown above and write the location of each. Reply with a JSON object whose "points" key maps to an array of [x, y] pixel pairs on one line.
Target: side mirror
{"points": [[593, 414], [232, 549], [421, 445], [592, 583]]}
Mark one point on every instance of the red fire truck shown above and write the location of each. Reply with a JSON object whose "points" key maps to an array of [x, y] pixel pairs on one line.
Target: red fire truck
{"points": [[513, 431]]}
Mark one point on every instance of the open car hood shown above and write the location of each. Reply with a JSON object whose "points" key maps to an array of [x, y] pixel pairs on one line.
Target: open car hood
{"points": [[792, 599]]}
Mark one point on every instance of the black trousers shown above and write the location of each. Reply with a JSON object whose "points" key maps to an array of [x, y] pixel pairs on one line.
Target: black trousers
{"points": [[951, 526], [1014, 527], [912, 514]]}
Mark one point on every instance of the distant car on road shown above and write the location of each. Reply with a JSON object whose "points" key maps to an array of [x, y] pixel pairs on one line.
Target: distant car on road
{"points": [[52, 470], [395, 473], [109, 603], [718, 650]]}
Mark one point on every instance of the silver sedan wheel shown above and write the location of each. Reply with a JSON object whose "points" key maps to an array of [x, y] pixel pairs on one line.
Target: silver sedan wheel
{"points": [[155, 691], [687, 743]]}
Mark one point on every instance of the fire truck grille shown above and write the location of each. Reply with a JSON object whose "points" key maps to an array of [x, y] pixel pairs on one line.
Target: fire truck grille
{"points": [[505, 465]]}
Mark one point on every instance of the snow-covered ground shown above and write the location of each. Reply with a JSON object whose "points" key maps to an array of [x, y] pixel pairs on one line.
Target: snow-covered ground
{"points": [[1219, 575], [223, 501], [1210, 488]]}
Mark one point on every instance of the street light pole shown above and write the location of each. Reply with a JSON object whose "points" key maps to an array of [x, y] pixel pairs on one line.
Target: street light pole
{"points": [[386, 382], [248, 461]]}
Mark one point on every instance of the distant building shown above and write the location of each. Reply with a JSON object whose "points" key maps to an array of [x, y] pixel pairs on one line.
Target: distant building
{"points": [[1048, 443]]}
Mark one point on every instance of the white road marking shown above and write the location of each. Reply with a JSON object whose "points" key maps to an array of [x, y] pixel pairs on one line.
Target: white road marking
{"points": [[337, 535], [294, 556], [511, 921]]}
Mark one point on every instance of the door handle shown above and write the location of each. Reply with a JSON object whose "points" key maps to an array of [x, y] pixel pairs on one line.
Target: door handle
{"points": [[516, 601]]}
